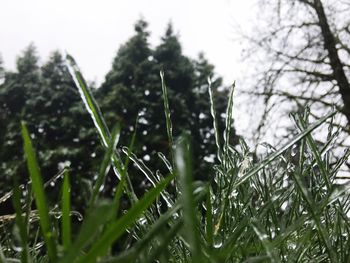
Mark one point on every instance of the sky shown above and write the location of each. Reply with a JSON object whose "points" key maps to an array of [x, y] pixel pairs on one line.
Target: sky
{"points": [[92, 31]]}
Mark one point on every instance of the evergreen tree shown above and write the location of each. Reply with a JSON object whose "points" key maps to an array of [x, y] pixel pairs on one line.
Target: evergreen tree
{"points": [[46, 98], [15, 95], [66, 137], [187, 81], [133, 86], [126, 91]]}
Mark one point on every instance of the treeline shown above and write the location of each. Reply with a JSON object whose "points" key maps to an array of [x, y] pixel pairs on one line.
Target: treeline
{"points": [[131, 95]]}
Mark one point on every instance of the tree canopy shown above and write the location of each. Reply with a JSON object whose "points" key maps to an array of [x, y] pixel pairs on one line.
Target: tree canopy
{"points": [[46, 98], [300, 52]]}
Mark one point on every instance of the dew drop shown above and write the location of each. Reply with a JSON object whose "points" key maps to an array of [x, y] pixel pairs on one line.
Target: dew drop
{"points": [[294, 151]]}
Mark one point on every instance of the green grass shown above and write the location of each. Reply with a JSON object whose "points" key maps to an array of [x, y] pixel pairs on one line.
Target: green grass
{"points": [[286, 206]]}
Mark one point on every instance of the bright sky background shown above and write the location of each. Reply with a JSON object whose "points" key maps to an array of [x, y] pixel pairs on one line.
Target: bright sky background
{"points": [[93, 30]]}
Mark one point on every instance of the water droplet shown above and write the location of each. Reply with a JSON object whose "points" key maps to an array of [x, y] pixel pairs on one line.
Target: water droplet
{"points": [[284, 206], [78, 215], [17, 248], [217, 241], [142, 221], [290, 167], [294, 150], [39, 245], [175, 216], [57, 215]]}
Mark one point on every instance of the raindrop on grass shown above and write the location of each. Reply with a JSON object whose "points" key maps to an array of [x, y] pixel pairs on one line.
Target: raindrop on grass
{"points": [[217, 242]]}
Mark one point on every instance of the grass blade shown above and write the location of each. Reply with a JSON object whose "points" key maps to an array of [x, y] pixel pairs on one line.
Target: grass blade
{"points": [[116, 229], [209, 229], [92, 225], [105, 164], [266, 243], [20, 221], [40, 199], [165, 242], [66, 207], [98, 120], [89, 101], [215, 122], [169, 126], [184, 171], [277, 153], [228, 120]]}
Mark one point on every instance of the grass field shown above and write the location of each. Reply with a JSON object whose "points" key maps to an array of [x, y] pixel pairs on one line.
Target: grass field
{"points": [[286, 206]]}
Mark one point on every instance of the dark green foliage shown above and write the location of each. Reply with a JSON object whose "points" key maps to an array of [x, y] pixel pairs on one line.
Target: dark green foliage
{"points": [[14, 99], [132, 89], [46, 98]]}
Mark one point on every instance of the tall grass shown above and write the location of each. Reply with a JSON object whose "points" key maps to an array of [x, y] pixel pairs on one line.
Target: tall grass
{"points": [[287, 206]]}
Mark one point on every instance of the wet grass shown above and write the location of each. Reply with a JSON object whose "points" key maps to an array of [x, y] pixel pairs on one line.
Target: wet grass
{"points": [[285, 206]]}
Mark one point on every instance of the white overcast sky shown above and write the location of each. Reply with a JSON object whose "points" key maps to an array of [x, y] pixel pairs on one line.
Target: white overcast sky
{"points": [[93, 30]]}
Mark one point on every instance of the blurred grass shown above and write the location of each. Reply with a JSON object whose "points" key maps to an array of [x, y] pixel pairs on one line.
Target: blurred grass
{"points": [[285, 206]]}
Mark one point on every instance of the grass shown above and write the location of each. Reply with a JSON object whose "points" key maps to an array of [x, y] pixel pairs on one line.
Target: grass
{"points": [[287, 206]]}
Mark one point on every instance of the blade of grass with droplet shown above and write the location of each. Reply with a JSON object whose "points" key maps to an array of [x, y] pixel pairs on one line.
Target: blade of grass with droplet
{"points": [[148, 173], [169, 126], [230, 244], [104, 169], [314, 211], [153, 231], [100, 124], [165, 161], [303, 245], [116, 229], [66, 208], [209, 229], [277, 153], [215, 122], [183, 161], [39, 194], [264, 240], [164, 242], [120, 186], [228, 120], [20, 221], [156, 229], [311, 143], [89, 101], [92, 225]]}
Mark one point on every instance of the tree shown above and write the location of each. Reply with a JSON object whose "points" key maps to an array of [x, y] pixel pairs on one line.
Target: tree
{"points": [[301, 54], [46, 98], [14, 95], [133, 89], [65, 134]]}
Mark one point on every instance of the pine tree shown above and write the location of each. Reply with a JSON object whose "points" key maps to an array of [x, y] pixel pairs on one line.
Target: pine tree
{"points": [[15, 95], [47, 100], [133, 87]]}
